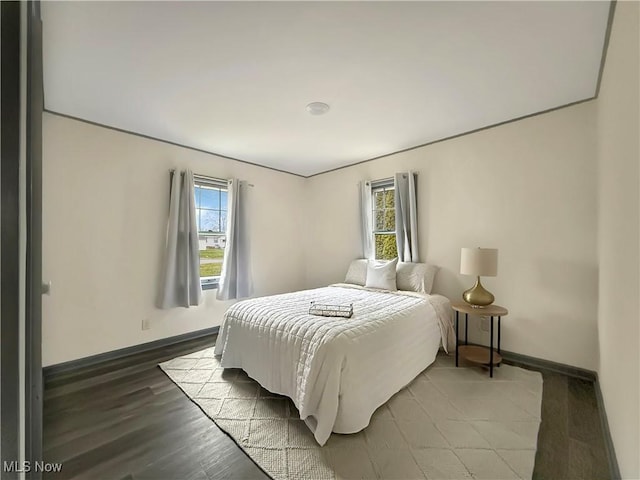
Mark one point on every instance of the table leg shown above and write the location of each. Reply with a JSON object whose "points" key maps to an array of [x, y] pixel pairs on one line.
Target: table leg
{"points": [[499, 318], [466, 328], [456, 338], [491, 351]]}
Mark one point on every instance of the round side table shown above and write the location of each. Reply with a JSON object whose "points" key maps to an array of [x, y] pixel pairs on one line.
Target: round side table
{"points": [[476, 353]]}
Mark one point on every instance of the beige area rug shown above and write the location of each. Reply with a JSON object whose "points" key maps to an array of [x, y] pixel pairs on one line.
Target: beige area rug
{"points": [[449, 423]]}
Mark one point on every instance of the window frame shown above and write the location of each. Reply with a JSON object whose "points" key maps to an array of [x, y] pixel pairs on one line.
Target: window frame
{"points": [[387, 184], [213, 282]]}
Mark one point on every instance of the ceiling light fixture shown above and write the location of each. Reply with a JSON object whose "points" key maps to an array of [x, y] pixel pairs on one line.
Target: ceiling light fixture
{"points": [[317, 108]]}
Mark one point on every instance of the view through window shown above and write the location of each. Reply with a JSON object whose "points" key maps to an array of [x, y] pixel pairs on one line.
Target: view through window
{"points": [[211, 220], [384, 221]]}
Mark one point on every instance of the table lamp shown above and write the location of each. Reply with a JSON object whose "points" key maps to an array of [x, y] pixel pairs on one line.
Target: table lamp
{"points": [[481, 262]]}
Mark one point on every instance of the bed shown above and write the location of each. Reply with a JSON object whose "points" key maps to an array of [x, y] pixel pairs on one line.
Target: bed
{"points": [[337, 371]]}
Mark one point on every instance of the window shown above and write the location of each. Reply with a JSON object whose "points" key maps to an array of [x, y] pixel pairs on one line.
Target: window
{"points": [[384, 219], [211, 220]]}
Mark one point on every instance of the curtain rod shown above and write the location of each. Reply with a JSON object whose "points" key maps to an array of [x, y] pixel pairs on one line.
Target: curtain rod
{"points": [[389, 179], [173, 170]]}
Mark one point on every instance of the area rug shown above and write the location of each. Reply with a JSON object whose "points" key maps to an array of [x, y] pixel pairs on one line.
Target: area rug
{"points": [[449, 423]]}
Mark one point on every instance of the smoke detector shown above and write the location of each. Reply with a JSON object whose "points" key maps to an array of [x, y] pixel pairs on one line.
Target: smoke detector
{"points": [[317, 108]]}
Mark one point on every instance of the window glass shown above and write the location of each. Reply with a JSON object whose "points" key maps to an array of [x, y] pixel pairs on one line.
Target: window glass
{"points": [[211, 220], [384, 221], [209, 198]]}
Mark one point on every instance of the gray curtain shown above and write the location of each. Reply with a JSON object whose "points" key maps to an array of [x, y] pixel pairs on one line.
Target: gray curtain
{"points": [[406, 216], [235, 279], [180, 285], [366, 221]]}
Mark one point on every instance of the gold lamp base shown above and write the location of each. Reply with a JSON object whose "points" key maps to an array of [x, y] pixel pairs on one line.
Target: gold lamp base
{"points": [[477, 296]]}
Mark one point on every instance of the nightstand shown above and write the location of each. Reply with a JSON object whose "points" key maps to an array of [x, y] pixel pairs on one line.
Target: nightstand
{"points": [[475, 353]]}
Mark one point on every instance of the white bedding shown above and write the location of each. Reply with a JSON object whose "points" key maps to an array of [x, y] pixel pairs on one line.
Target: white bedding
{"points": [[337, 371]]}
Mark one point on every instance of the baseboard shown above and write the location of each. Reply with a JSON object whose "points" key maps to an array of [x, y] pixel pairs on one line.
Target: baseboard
{"points": [[517, 359], [81, 363], [571, 371], [614, 469]]}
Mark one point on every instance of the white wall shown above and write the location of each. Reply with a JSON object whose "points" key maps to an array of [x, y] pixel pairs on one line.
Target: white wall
{"points": [[105, 197], [527, 188], [618, 248]]}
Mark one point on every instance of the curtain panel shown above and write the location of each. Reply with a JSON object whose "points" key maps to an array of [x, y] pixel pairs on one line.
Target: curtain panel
{"points": [[180, 285], [366, 219], [235, 279], [406, 216]]}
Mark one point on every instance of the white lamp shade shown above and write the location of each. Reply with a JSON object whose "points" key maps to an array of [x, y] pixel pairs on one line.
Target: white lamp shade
{"points": [[479, 262]]}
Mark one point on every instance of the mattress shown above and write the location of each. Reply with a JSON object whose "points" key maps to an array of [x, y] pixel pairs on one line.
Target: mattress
{"points": [[337, 371]]}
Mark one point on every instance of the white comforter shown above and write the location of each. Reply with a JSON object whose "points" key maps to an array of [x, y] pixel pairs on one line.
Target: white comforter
{"points": [[337, 371]]}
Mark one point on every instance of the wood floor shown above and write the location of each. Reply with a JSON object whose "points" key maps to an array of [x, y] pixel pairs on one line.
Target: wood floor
{"points": [[126, 420], [570, 440]]}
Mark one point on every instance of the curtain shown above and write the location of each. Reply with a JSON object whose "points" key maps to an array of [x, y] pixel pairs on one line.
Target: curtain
{"points": [[235, 279], [406, 216], [181, 270], [366, 221]]}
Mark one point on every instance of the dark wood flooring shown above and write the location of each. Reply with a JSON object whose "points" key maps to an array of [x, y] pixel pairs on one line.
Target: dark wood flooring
{"points": [[125, 419], [570, 440]]}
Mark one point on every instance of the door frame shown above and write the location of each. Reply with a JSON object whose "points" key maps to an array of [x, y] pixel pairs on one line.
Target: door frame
{"points": [[33, 308], [22, 102], [10, 89]]}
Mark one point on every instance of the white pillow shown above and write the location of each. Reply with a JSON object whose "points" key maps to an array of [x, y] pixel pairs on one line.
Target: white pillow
{"points": [[415, 277], [382, 275], [357, 273]]}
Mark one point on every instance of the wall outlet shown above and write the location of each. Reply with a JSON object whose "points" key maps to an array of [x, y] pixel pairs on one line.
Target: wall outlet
{"points": [[146, 324], [485, 324]]}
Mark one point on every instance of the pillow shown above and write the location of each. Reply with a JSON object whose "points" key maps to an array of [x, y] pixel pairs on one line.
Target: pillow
{"points": [[357, 273], [382, 275], [415, 277], [429, 277]]}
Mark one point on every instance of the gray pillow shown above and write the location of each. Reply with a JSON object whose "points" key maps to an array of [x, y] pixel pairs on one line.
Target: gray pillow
{"points": [[357, 273], [415, 277]]}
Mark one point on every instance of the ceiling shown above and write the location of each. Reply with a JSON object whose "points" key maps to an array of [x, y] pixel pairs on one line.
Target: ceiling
{"points": [[233, 78]]}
